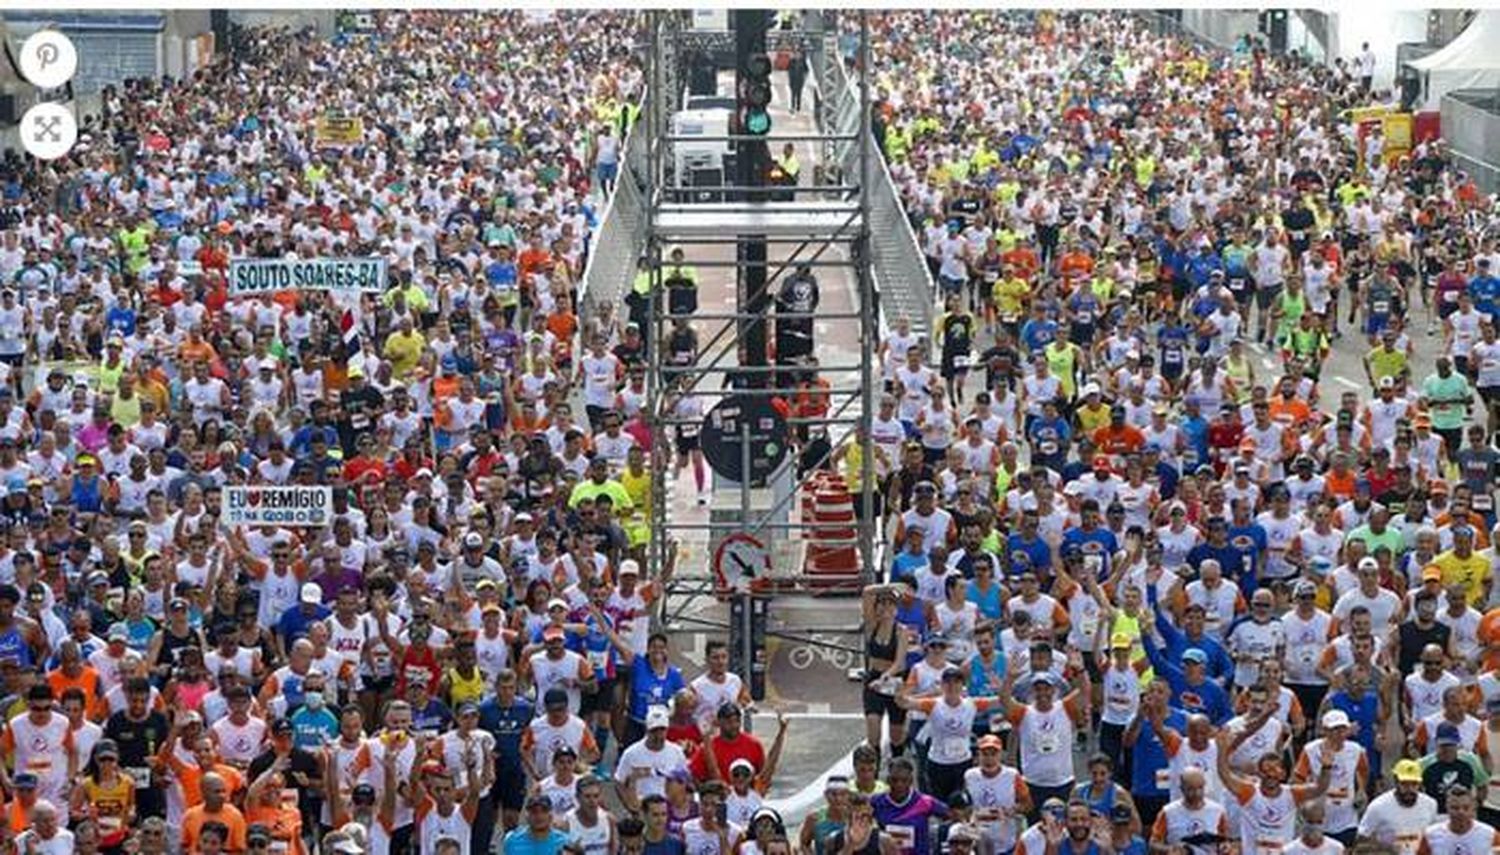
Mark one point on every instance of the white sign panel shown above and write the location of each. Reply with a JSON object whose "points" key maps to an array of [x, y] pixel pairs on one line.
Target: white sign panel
{"points": [[264, 275], [284, 506]]}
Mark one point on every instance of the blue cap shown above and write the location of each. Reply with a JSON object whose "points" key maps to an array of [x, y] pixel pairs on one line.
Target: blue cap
{"points": [[1193, 654], [1447, 734]]}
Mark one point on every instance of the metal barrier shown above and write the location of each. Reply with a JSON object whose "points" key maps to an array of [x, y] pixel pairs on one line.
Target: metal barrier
{"points": [[1471, 125], [902, 279], [1166, 26], [621, 236]]}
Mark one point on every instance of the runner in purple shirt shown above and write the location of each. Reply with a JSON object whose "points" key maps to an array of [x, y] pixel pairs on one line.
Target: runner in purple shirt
{"points": [[903, 812]]}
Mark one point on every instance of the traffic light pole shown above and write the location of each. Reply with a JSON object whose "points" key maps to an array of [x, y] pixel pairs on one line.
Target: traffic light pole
{"points": [[751, 159]]}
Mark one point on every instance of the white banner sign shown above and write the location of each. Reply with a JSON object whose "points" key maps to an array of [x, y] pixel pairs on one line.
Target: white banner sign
{"points": [[263, 275], [286, 506]]}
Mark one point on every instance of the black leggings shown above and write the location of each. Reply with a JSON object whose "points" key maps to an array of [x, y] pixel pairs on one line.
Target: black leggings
{"points": [[1112, 745], [945, 779]]}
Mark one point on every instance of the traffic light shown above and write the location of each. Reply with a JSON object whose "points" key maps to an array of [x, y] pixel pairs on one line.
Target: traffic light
{"points": [[755, 96]]}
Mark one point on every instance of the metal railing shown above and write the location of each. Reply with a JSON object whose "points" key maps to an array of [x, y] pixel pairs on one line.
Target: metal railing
{"points": [[1471, 125], [1165, 25], [621, 236], [902, 280]]}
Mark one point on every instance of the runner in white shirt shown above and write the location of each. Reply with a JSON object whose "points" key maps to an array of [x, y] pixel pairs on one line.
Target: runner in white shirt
{"points": [[1313, 840], [1398, 817], [1461, 834]]}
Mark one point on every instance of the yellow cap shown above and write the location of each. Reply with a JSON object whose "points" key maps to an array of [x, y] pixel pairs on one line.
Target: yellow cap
{"points": [[1120, 639], [1408, 770]]}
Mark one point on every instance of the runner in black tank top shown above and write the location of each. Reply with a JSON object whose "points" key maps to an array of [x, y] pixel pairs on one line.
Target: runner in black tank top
{"points": [[884, 655], [170, 644]]}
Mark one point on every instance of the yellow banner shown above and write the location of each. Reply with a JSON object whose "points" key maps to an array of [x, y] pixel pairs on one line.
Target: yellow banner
{"points": [[339, 130], [1397, 129]]}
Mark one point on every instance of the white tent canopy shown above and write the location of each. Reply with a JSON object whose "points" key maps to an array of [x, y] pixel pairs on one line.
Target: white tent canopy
{"points": [[1470, 61]]}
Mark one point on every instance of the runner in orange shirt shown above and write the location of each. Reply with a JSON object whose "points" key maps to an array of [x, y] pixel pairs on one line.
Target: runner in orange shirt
{"points": [[216, 807]]}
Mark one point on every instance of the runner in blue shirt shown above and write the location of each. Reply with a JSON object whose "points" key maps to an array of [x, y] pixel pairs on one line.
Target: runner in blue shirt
{"points": [[1026, 547], [1485, 289], [1039, 330], [1176, 642], [1173, 341], [1143, 739], [654, 680], [536, 836], [505, 717], [1192, 690], [1091, 539], [1248, 538]]}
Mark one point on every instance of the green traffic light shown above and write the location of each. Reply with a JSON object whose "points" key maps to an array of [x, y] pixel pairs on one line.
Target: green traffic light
{"points": [[758, 122]]}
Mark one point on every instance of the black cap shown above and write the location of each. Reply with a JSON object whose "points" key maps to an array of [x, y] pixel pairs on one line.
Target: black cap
{"points": [[538, 800], [363, 793], [10, 593], [258, 831], [1120, 813], [281, 726], [555, 698], [729, 710]]}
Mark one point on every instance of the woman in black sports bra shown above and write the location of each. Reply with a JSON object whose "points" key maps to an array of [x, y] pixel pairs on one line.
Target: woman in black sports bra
{"points": [[885, 660]]}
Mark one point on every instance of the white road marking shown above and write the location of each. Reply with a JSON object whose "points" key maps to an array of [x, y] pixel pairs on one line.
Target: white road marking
{"points": [[800, 803], [1347, 382]]}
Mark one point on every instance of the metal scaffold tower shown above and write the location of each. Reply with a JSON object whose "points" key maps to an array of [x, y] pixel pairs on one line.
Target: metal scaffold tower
{"points": [[744, 224]]}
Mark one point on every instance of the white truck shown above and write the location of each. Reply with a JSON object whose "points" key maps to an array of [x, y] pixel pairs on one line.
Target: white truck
{"points": [[705, 116]]}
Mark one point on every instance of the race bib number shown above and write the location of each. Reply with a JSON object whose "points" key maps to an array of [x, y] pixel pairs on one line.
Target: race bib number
{"points": [[1163, 779], [1483, 502], [1450, 296], [1380, 307], [141, 775], [599, 659], [1237, 284], [905, 836], [961, 361], [1171, 356]]}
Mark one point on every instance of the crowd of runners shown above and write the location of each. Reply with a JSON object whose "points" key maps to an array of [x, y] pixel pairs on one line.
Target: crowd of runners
{"points": [[1138, 595], [1147, 595]]}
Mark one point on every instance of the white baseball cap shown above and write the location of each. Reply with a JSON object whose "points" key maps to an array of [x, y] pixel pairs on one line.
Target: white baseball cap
{"points": [[657, 717], [1335, 718]]}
